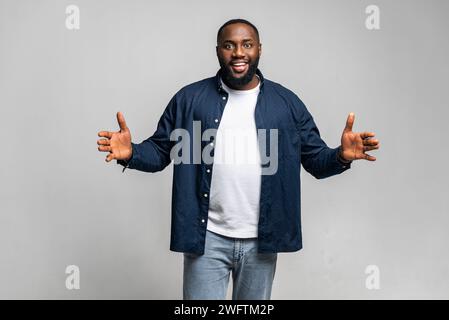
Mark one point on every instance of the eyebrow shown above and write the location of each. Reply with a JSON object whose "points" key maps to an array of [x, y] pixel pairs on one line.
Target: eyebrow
{"points": [[244, 40]]}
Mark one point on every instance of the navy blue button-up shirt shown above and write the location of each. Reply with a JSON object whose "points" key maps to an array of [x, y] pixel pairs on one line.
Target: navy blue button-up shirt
{"points": [[299, 142]]}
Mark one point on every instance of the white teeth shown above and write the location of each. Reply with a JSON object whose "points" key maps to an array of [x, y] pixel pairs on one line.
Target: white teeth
{"points": [[239, 64]]}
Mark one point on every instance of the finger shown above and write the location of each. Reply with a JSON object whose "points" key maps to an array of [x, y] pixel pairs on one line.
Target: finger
{"points": [[110, 157], [104, 148], [349, 122], [366, 134], [369, 157], [121, 121], [105, 134], [369, 148], [103, 142], [370, 142]]}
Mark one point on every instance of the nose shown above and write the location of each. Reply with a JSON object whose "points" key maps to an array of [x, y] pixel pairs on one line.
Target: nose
{"points": [[238, 52]]}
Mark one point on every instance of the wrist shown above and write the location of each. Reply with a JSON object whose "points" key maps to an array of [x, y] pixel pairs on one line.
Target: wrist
{"points": [[341, 158]]}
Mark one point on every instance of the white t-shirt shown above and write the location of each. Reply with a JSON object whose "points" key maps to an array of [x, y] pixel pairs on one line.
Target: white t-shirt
{"points": [[236, 175]]}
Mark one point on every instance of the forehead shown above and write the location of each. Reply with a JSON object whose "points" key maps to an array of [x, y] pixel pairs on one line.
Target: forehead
{"points": [[238, 31]]}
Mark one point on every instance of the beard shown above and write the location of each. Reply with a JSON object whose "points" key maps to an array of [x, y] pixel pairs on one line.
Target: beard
{"points": [[233, 82]]}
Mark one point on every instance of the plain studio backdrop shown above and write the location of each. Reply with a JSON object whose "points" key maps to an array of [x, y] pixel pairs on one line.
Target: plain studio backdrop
{"points": [[61, 204]]}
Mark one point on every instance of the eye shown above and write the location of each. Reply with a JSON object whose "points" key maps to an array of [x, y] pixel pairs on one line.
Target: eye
{"points": [[228, 46], [247, 45]]}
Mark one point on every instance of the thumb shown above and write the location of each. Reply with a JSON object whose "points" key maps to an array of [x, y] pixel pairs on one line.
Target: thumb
{"points": [[121, 121], [349, 122]]}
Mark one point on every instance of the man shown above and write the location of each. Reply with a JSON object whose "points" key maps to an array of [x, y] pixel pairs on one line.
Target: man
{"points": [[234, 217]]}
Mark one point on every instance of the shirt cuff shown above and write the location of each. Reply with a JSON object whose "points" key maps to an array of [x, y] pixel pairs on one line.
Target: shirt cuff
{"points": [[125, 163], [344, 163]]}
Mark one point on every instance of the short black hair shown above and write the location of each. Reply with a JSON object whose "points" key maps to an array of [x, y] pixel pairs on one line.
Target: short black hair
{"points": [[233, 21]]}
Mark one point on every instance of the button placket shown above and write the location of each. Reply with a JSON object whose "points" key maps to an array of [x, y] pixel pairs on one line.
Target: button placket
{"points": [[208, 170]]}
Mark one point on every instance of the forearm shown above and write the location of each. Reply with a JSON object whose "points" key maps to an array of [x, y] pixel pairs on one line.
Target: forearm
{"points": [[147, 156], [324, 163]]}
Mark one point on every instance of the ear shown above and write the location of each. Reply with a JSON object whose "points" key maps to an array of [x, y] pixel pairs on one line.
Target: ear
{"points": [[216, 50], [260, 49]]}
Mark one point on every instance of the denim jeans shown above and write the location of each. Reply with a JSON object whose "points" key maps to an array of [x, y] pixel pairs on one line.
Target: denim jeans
{"points": [[207, 276]]}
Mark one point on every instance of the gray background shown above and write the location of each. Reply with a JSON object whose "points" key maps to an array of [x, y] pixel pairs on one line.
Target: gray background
{"points": [[62, 204]]}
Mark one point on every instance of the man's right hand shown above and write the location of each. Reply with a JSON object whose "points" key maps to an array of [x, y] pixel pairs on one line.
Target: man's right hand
{"points": [[118, 144]]}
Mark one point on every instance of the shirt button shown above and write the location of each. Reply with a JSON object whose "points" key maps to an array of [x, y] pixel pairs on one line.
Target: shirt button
{"points": [[205, 195], [208, 170], [202, 220], [211, 144], [216, 120], [224, 98]]}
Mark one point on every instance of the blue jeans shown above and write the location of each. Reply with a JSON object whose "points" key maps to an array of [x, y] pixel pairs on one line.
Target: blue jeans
{"points": [[207, 276]]}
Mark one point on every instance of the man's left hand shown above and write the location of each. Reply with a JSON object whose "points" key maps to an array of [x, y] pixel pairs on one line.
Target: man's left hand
{"points": [[354, 144]]}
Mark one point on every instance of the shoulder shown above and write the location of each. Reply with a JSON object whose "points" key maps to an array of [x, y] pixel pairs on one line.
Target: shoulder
{"points": [[196, 88], [278, 90]]}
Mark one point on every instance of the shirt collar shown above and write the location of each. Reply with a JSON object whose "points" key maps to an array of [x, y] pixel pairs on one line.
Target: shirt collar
{"points": [[220, 87]]}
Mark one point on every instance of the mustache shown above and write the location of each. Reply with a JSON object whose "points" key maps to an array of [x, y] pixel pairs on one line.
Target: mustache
{"points": [[251, 63]]}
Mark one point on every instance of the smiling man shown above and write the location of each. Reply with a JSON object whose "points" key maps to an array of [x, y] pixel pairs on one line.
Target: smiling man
{"points": [[231, 217]]}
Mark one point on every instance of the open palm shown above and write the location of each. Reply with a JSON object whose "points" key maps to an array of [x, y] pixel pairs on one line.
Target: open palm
{"points": [[355, 144], [118, 143]]}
